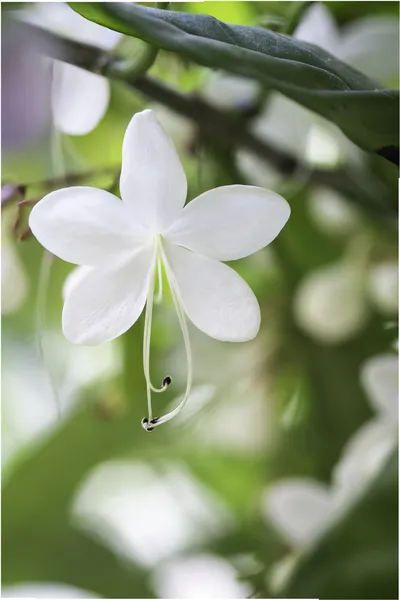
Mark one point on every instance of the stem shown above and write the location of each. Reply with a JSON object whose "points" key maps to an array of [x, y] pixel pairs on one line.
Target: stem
{"points": [[131, 69]]}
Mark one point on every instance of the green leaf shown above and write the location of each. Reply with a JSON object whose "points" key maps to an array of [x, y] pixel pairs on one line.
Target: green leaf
{"points": [[358, 558], [303, 72]]}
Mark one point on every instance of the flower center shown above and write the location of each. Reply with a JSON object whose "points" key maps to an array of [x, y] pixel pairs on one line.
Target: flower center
{"points": [[161, 260]]}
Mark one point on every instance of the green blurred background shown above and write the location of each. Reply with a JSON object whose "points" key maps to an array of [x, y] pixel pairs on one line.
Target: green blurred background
{"points": [[92, 504]]}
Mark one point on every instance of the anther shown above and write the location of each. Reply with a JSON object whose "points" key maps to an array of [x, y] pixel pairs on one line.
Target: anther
{"points": [[166, 382], [145, 423]]}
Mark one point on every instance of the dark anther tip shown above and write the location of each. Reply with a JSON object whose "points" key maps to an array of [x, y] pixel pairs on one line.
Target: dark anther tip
{"points": [[146, 426], [166, 381]]}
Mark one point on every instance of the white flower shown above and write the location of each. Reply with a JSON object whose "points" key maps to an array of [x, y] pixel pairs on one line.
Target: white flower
{"points": [[122, 246], [79, 98], [299, 508], [302, 508], [370, 446]]}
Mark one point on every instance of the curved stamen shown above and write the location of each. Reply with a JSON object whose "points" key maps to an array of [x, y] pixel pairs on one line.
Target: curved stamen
{"points": [[150, 423], [147, 342], [159, 297]]}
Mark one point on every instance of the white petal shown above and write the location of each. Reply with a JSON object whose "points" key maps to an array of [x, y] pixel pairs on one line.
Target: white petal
{"points": [[380, 380], [74, 278], [230, 222], [153, 183], [318, 27], [80, 99], [371, 45], [214, 296], [108, 301], [84, 225], [362, 458], [299, 508]]}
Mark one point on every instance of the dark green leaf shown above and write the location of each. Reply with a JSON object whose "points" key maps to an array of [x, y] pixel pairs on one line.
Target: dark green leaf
{"points": [[301, 71]]}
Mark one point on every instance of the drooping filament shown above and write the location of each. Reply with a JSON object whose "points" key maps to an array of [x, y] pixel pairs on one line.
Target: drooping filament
{"points": [[161, 259]]}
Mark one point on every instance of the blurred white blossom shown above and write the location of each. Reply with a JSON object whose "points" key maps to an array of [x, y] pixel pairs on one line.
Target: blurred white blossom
{"points": [[383, 286], [330, 304], [370, 446], [332, 213], [311, 139], [79, 98], [300, 508], [148, 515], [370, 45], [199, 576], [40, 400]]}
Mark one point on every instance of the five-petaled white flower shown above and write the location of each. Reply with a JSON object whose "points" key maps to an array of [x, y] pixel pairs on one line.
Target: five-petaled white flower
{"points": [[122, 245]]}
